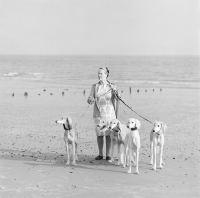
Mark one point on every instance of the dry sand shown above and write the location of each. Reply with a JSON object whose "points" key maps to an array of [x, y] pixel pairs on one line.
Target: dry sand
{"points": [[33, 156]]}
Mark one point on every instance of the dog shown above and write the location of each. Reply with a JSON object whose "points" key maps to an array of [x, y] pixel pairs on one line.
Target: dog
{"points": [[70, 138], [157, 140], [133, 144], [102, 125], [119, 138]]}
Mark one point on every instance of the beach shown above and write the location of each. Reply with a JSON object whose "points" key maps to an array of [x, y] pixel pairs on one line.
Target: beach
{"points": [[33, 153], [52, 56]]}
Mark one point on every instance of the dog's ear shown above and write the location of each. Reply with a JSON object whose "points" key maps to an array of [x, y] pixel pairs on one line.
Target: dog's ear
{"points": [[69, 123], [119, 125], [164, 126], [138, 124]]}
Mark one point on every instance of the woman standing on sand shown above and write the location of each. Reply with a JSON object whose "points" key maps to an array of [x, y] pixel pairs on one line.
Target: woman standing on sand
{"points": [[104, 97]]}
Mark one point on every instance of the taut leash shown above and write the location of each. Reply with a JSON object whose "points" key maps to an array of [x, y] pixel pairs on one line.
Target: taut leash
{"points": [[116, 95], [82, 116]]}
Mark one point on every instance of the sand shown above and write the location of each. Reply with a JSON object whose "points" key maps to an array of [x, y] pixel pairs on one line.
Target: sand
{"points": [[33, 156]]}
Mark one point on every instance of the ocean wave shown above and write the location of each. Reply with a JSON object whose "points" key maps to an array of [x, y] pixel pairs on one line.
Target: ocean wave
{"points": [[37, 74], [136, 82], [195, 84], [14, 74], [141, 82], [11, 74]]}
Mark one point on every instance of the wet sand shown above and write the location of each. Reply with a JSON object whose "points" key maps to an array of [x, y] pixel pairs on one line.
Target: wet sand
{"points": [[33, 155]]}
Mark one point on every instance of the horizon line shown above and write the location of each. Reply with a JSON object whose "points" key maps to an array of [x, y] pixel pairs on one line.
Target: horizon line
{"points": [[100, 55]]}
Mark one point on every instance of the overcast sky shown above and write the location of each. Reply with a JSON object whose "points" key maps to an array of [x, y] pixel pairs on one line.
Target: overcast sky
{"points": [[99, 27]]}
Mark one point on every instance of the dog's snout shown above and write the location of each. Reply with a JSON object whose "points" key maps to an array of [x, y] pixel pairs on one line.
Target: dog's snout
{"points": [[56, 121], [154, 131], [128, 127]]}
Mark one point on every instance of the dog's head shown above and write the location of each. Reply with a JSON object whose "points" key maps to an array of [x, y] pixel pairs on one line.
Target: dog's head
{"points": [[114, 125], [159, 127], [101, 123], [133, 124], [66, 121]]}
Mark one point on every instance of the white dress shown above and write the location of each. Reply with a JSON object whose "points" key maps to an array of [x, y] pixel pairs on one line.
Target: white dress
{"points": [[106, 108]]}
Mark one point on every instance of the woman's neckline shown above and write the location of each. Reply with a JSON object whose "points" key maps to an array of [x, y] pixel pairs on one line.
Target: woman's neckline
{"points": [[103, 83]]}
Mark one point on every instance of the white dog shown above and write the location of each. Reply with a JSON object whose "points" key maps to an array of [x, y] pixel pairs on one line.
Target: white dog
{"points": [[133, 143], [157, 140], [119, 138], [70, 137], [103, 125]]}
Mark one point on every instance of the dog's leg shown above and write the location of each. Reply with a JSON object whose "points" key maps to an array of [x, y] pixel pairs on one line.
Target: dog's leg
{"points": [[112, 150], [125, 158], [126, 144], [74, 154], [122, 153], [161, 150], [163, 163], [133, 158], [130, 154], [151, 147], [151, 155], [154, 157], [137, 160], [119, 153], [161, 157], [76, 147], [68, 154]]}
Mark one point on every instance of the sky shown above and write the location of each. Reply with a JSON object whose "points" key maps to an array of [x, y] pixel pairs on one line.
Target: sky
{"points": [[99, 27]]}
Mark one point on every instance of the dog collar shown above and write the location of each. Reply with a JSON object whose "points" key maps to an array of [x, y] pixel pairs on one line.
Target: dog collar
{"points": [[116, 131], [65, 128], [133, 129], [102, 127], [157, 133]]}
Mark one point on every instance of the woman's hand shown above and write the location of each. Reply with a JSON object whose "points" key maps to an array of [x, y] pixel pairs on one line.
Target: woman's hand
{"points": [[113, 87], [91, 100]]}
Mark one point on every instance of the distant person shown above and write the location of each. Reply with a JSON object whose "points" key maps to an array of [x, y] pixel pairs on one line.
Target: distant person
{"points": [[104, 97]]}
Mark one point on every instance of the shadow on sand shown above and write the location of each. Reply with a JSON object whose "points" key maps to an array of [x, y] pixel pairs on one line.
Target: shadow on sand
{"points": [[59, 160]]}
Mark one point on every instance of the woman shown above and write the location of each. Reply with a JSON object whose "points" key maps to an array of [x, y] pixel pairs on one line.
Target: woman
{"points": [[104, 97]]}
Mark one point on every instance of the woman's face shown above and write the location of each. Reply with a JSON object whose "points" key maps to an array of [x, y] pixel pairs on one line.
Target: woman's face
{"points": [[102, 75]]}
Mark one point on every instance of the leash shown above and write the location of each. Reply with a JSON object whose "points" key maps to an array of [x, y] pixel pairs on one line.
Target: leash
{"points": [[82, 115], [88, 107], [116, 95]]}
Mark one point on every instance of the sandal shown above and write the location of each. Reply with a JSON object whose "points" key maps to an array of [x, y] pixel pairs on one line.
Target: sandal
{"points": [[99, 157], [108, 158]]}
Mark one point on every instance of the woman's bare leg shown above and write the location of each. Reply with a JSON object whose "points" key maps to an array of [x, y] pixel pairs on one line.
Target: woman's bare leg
{"points": [[100, 144], [108, 143]]}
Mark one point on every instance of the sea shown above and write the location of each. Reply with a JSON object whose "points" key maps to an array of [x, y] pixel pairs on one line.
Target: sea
{"points": [[125, 71]]}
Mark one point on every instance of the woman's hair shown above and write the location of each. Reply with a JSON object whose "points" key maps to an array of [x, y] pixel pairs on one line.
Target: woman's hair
{"points": [[106, 70]]}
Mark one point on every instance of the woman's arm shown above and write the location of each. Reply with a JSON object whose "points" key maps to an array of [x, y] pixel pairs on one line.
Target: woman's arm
{"points": [[91, 99], [115, 90], [115, 97]]}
